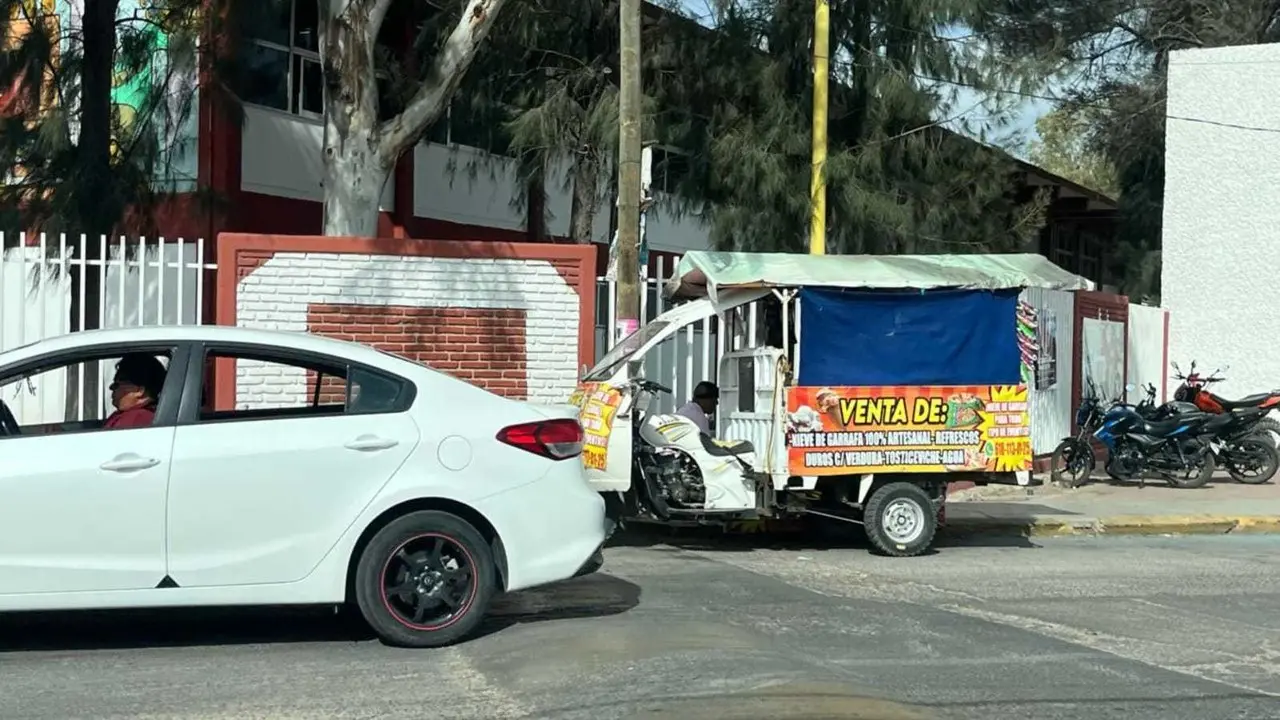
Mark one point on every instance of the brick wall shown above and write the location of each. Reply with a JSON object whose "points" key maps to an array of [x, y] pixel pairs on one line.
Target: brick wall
{"points": [[485, 347], [516, 319]]}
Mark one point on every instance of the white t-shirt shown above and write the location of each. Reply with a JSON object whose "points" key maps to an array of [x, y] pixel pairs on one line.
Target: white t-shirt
{"points": [[693, 411]]}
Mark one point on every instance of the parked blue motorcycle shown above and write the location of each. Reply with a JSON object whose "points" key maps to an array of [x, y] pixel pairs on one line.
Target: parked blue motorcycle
{"points": [[1176, 448]]}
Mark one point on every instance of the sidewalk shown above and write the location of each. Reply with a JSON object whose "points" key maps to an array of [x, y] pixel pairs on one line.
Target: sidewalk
{"points": [[1222, 506]]}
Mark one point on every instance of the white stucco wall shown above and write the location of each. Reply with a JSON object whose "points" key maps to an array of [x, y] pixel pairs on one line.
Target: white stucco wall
{"points": [[1146, 353], [280, 156], [1222, 213]]}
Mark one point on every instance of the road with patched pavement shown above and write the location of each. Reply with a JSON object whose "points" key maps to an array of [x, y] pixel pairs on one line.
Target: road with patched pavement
{"points": [[1088, 628]]}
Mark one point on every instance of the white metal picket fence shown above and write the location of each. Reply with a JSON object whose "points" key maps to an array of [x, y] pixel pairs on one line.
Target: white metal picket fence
{"points": [[693, 354], [45, 283]]}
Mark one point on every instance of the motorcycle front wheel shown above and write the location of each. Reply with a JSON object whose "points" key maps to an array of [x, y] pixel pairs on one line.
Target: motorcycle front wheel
{"points": [[1253, 460], [1072, 463]]}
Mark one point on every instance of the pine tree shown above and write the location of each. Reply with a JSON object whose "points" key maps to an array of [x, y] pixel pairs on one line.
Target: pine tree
{"points": [[96, 115], [1117, 54], [898, 180], [561, 98]]}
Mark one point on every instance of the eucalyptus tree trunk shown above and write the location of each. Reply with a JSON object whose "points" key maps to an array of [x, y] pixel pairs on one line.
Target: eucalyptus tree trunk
{"points": [[360, 151]]}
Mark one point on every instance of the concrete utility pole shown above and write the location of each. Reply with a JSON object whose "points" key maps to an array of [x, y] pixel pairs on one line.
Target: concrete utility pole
{"points": [[629, 155], [818, 181]]}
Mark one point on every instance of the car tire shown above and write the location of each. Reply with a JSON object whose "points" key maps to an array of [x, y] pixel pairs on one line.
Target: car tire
{"points": [[430, 560], [888, 512]]}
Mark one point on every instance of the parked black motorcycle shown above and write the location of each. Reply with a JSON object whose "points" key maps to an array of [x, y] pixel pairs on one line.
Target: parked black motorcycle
{"points": [[1175, 448], [1240, 440]]}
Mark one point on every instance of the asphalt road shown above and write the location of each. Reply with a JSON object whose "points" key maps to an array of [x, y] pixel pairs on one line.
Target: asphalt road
{"points": [[1167, 628]]}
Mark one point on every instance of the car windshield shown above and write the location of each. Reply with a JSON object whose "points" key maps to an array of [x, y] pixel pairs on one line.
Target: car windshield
{"points": [[619, 354]]}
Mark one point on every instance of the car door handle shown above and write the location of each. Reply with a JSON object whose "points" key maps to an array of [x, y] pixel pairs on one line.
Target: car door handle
{"points": [[366, 443], [128, 463]]}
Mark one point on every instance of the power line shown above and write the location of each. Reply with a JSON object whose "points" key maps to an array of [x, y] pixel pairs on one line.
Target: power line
{"points": [[1219, 123]]}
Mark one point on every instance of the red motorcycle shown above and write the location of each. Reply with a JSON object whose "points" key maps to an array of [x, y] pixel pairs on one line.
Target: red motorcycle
{"points": [[1194, 390]]}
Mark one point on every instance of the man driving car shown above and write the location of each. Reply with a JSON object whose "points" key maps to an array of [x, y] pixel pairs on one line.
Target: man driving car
{"points": [[135, 390]]}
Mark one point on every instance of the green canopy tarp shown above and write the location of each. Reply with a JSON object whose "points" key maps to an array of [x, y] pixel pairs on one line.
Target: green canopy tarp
{"points": [[706, 274]]}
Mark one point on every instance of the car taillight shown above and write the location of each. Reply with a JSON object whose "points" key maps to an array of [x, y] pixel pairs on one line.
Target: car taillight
{"points": [[555, 439]]}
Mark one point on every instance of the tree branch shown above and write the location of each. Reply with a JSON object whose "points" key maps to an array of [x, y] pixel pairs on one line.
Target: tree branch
{"points": [[428, 103], [377, 14]]}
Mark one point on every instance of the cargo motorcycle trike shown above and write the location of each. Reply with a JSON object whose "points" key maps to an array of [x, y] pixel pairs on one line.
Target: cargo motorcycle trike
{"points": [[853, 389]]}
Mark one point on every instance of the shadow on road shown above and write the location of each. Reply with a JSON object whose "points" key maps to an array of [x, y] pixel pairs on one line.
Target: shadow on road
{"points": [[598, 595], [819, 536], [591, 596]]}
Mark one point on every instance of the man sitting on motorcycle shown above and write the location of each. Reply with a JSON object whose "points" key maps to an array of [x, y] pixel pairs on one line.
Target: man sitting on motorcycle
{"points": [[703, 405]]}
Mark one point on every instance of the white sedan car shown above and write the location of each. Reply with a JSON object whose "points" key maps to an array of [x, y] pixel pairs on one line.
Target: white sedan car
{"points": [[281, 468]]}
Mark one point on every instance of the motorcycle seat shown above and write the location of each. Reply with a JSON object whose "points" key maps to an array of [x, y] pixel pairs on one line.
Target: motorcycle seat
{"points": [[1245, 402], [1165, 428], [725, 448], [1218, 422]]}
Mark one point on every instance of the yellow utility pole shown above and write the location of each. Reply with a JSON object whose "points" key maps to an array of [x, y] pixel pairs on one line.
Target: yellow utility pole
{"points": [[818, 181], [629, 158]]}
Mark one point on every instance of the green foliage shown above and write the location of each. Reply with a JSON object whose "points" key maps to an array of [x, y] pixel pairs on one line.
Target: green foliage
{"points": [[551, 88], [898, 180], [1115, 53], [1063, 149], [738, 99], [76, 176]]}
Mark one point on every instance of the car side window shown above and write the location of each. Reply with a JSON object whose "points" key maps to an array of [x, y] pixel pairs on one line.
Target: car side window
{"points": [[281, 386], [78, 393]]}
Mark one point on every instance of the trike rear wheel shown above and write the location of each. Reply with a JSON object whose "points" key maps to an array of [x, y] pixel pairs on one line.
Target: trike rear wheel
{"points": [[900, 519]]}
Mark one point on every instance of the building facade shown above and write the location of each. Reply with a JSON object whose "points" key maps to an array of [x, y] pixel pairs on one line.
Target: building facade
{"points": [[1220, 229], [259, 156]]}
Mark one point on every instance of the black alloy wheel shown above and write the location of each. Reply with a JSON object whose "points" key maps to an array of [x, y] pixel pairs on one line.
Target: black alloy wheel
{"points": [[1253, 460], [425, 580], [429, 582]]}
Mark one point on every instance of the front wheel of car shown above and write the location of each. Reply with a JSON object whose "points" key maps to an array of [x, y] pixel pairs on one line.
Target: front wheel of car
{"points": [[425, 580]]}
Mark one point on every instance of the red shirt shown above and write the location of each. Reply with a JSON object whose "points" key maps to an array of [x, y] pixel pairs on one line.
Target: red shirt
{"points": [[132, 418]]}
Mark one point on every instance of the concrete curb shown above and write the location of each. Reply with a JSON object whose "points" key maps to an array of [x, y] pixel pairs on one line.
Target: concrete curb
{"points": [[1116, 525]]}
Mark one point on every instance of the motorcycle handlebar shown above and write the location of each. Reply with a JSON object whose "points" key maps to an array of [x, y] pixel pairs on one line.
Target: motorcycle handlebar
{"points": [[651, 386], [1194, 378]]}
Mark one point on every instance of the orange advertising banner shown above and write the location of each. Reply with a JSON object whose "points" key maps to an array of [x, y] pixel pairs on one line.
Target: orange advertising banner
{"points": [[597, 405], [848, 430]]}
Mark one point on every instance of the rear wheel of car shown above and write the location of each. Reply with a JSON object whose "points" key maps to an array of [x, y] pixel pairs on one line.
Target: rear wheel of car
{"points": [[425, 580]]}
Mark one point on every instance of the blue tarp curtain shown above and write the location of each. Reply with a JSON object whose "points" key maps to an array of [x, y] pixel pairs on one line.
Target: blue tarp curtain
{"points": [[938, 337]]}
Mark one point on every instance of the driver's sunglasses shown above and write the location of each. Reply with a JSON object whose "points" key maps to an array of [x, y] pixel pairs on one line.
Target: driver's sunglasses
{"points": [[117, 384]]}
